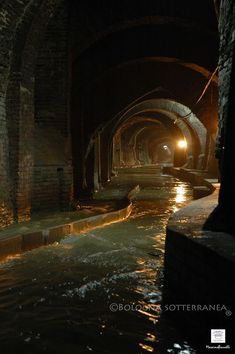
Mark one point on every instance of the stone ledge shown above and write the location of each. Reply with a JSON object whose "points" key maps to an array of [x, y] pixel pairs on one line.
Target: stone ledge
{"points": [[199, 267], [15, 244], [101, 220], [193, 177]]}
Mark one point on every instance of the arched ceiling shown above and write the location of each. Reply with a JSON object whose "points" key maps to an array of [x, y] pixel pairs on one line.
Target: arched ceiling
{"points": [[132, 56], [147, 41], [109, 16], [173, 110], [120, 87]]}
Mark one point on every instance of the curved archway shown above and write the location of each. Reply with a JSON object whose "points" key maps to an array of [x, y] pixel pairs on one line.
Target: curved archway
{"points": [[174, 110], [190, 127], [114, 79], [107, 66], [30, 31], [140, 136]]}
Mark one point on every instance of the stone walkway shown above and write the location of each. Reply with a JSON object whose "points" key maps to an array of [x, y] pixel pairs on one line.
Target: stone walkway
{"points": [[47, 228], [45, 220]]}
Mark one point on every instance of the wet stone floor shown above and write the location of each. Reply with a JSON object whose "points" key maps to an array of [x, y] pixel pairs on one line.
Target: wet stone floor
{"points": [[98, 292]]}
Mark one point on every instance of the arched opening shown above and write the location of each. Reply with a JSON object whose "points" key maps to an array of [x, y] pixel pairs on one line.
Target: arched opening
{"points": [[120, 92], [143, 141], [127, 136]]}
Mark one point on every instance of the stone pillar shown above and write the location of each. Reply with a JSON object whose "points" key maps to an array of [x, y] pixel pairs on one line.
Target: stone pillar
{"points": [[222, 218], [97, 166], [116, 151], [6, 213]]}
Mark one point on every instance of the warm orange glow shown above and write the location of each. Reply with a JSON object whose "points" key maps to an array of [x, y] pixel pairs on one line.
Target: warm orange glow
{"points": [[180, 194], [182, 144], [151, 337], [148, 348]]}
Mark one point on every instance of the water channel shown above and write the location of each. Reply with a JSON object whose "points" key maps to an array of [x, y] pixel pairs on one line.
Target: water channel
{"points": [[97, 292]]}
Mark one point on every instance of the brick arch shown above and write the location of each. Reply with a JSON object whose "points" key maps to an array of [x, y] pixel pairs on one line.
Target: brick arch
{"points": [[193, 129], [143, 21], [129, 44], [152, 120], [26, 30], [168, 107], [10, 21]]}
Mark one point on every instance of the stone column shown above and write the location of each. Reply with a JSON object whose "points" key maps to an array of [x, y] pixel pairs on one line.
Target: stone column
{"points": [[6, 212], [97, 163], [222, 218]]}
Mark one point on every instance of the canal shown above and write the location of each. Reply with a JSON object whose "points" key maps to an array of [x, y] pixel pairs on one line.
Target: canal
{"points": [[98, 292]]}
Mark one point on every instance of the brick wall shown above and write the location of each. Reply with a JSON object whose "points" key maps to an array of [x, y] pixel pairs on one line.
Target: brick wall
{"points": [[51, 78], [22, 27], [52, 188], [6, 212], [13, 15], [52, 176]]}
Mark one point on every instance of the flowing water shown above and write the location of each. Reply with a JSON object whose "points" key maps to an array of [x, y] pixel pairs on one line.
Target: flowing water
{"points": [[97, 292]]}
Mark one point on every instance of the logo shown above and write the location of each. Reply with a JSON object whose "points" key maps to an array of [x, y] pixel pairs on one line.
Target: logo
{"points": [[218, 336]]}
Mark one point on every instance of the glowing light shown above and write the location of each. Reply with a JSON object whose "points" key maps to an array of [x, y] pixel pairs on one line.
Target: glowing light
{"points": [[148, 348], [182, 144], [180, 194], [150, 337], [140, 261], [175, 209]]}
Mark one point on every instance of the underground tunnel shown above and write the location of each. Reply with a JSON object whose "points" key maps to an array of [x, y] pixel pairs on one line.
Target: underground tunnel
{"points": [[116, 176]]}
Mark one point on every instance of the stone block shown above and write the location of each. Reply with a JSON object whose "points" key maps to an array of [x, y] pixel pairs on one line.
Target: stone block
{"points": [[32, 240], [10, 246], [56, 234]]}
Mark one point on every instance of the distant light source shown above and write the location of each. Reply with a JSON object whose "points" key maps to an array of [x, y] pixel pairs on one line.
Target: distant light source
{"points": [[182, 144]]}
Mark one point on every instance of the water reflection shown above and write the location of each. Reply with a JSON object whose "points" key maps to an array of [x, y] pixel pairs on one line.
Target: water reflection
{"points": [[150, 337], [148, 348], [180, 194], [58, 298]]}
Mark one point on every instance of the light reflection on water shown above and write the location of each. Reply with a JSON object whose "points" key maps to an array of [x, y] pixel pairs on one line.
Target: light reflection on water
{"points": [[180, 194], [58, 297]]}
